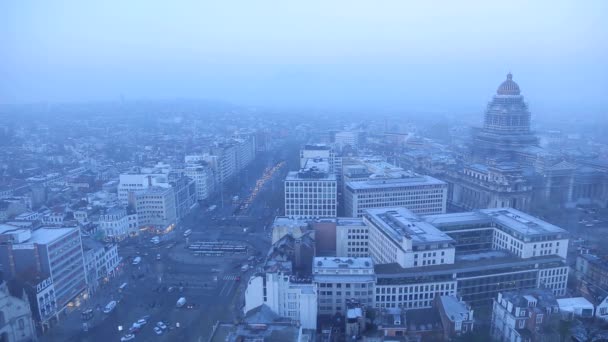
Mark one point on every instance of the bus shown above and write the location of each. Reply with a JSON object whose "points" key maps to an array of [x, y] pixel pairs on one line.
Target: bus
{"points": [[187, 232]]}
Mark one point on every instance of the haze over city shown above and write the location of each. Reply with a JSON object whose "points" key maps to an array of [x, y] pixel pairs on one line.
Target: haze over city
{"points": [[395, 55], [312, 171]]}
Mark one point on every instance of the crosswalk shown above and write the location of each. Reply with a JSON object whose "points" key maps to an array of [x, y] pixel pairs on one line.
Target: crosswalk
{"points": [[230, 277]]}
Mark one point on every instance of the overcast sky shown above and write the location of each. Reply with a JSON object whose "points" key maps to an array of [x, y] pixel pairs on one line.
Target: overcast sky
{"points": [[445, 55]]}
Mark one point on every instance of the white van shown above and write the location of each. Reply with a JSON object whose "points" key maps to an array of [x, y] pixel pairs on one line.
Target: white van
{"points": [[111, 305], [181, 302], [136, 261]]}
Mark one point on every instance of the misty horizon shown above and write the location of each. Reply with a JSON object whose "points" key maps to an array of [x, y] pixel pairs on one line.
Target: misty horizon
{"points": [[340, 56]]}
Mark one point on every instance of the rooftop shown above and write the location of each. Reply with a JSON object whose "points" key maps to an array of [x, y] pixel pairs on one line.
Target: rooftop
{"points": [[398, 223], [49, 235], [310, 175], [572, 303], [515, 221], [335, 262], [404, 180], [522, 223], [454, 309]]}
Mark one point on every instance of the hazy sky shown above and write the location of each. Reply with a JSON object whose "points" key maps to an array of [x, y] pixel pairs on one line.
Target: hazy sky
{"points": [[449, 55]]}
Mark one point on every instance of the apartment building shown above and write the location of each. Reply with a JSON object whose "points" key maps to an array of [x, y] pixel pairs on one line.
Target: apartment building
{"points": [[117, 223], [525, 316]]}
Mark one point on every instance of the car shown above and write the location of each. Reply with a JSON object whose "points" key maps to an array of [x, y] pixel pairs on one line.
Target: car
{"points": [[141, 322], [171, 289], [127, 337], [157, 256], [134, 330], [158, 330], [161, 325]]}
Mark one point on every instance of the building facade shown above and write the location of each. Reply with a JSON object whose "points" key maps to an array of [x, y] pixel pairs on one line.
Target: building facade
{"points": [[16, 323], [524, 316], [339, 280], [55, 254], [377, 184], [311, 192], [117, 224], [156, 208]]}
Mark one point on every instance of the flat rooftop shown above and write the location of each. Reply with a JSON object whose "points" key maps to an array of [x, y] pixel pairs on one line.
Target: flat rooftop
{"points": [[392, 182], [512, 220], [349, 221], [49, 235], [522, 223], [310, 176], [335, 262], [399, 223]]}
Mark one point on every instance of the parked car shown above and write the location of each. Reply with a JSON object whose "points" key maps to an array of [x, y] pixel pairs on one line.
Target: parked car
{"points": [[161, 325], [142, 322], [127, 337], [158, 330]]}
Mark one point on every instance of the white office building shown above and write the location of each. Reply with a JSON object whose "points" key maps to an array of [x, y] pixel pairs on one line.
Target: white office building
{"points": [[396, 235], [348, 138], [156, 208], [476, 264], [131, 184], [311, 192], [341, 279], [373, 183]]}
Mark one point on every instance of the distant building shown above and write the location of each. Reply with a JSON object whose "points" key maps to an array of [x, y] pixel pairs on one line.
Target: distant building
{"points": [[132, 184], [354, 139], [184, 190], [203, 178], [479, 186]]}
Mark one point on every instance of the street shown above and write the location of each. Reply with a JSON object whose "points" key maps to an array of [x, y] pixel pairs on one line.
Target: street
{"points": [[212, 285]]}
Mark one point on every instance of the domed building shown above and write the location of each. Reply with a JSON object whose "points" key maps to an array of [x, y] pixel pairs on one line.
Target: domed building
{"points": [[506, 130]]}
